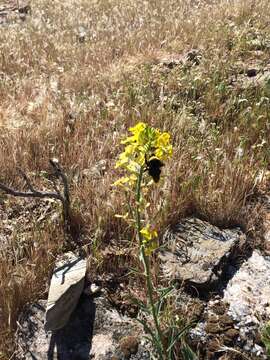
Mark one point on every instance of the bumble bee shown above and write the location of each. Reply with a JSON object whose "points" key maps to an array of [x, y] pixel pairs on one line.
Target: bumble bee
{"points": [[154, 166]]}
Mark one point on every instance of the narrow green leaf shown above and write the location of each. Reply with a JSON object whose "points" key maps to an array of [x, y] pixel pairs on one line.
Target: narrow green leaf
{"points": [[179, 335], [187, 353]]}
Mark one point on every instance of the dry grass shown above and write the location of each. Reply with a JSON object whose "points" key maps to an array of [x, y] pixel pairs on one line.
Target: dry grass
{"points": [[60, 97], [24, 266]]}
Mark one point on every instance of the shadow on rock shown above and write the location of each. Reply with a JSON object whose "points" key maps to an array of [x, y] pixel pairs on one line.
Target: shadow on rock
{"points": [[74, 340]]}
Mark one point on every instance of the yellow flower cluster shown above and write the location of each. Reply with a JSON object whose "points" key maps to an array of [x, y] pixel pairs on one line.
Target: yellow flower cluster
{"points": [[146, 142], [149, 239], [145, 150]]}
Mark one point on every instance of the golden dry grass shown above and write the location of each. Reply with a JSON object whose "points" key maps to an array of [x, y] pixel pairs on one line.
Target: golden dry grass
{"points": [[71, 99]]}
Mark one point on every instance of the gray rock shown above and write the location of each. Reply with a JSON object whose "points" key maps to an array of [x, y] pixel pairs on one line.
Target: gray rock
{"points": [[246, 302], [96, 171], [192, 57], [66, 287], [31, 337], [254, 78], [81, 34], [110, 331], [13, 11], [196, 252], [94, 331], [71, 342], [92, 289], [248, 293]]}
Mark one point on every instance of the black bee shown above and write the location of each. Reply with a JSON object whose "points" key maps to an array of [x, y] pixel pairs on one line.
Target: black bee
{"points": [[154, 166]]}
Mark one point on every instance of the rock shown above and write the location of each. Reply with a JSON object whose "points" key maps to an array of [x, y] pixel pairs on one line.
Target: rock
{"points": [[192, 57], [197, 252], [248, 294], [12, 12], [246, 300], [254, 78], [94, 331], [214, 330], [65, 290], [96, 171], [247, 308], [102, 344], [92, 289], [120, 332], [31, 338], [81, 34], [24, 8], [172, 61], [70, 342]]}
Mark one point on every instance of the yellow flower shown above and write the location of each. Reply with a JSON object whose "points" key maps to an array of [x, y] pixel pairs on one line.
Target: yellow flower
{"points": [[163, 146], [138, 128], [130, 149], [147, 233], [149, 239], [137, 132], [125, 181], [145, 150], [163, 153], [133, 167], [146, 143], [140, 159], [150, 247], [163, 140], [121, 182]]}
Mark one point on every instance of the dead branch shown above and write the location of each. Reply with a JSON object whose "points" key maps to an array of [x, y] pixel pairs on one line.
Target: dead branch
{"points": [[34, 193]]}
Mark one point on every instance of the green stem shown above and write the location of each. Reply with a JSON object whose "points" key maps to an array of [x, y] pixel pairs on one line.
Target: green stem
{"points": [[145, 261], [138, 200]]}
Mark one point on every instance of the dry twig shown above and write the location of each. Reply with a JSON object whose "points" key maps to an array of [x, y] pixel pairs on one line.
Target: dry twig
{"points": [[34, 193]]}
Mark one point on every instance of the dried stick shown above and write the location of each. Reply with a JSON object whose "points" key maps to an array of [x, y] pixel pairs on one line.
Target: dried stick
{"points": [[34, 193]]}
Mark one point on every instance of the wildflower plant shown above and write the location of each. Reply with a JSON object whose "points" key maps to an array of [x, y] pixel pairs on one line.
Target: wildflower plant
{"points": [[144, 154], [146, 151]]}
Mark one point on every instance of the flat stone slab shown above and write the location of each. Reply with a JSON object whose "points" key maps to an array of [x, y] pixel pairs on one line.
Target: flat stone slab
{"points": [[196, 252], [66, 287]]}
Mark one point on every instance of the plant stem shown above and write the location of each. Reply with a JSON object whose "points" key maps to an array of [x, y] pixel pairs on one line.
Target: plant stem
{"points": [[138, 199], [145, 261]]}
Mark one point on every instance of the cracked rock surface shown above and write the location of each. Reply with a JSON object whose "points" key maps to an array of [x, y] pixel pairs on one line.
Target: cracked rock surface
{"points": [[197, 252]]}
